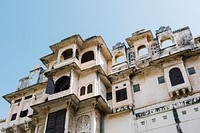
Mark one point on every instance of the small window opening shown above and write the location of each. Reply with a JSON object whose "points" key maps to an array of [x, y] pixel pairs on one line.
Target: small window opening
{"points": [[28, 97], [154, 120], [34, 79], [142, 122], [136, 88], [18, 100], [13, 117], [88, 56], [119, 58], [142, 50], [82, 91], [161, 80], [166, 43], [176, 77], [124, 84], [196, 109], [184, 112], [67, 54], [116, 87], [121, 95], [109, 96], [89, 88], [24, 113], [191, 71], [165, 117], [62, 84]]}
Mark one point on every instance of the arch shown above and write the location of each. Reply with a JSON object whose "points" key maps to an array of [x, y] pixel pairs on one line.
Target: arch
{"points": [[67, 54], [89, 88], [166, 42], [119, 58], [62, 84], [87, 56], [176, 76], [77, 54], [82, 91], [142, 50]]}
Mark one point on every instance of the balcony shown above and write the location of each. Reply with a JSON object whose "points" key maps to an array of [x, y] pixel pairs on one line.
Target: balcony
{"points": [[59, 94], [67, 62]]}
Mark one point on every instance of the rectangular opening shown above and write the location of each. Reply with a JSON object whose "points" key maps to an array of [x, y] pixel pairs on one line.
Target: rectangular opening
{"points": [[121, 95], [109, 96], [28, 97], [13, 117], [24, 113], [161, 80], [136, 88], [18, 100], [196, 109], [191, 71], [184, 112]]}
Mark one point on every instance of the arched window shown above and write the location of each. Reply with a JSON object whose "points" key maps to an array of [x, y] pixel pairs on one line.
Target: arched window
{"points": [[67, 54], [62, 84], [77, 54], [82, 91], [142, 50], [89, 88], [167, 43], [175, 76], [119, 58], [87, 56]]}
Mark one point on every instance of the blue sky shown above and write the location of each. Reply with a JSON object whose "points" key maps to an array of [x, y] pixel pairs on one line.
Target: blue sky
{"points": [[29, 27]]}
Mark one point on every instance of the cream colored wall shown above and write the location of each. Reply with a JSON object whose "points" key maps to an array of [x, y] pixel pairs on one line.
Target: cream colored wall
{"points": [[195, 78], [150, 90], [103, 63], [120, 85], [102, 90], [85, 80], [119, 123]]}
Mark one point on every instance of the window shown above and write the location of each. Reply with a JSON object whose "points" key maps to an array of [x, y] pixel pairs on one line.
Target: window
{"points": [[191, 71], [121, 95], [116, 87], [89, 88], [18, 100], [196, 109], [124, 84], [161, 80], [67, 54], [119, 58], [165, 117], [136, 88], [28, 97], [56, 122], [88, 56], [62, 84], [167, 43], [82, 91], [24, 113], [13, 117], [154, 120], [176, 77], [184, 112], [142, 122], [142, 50], [109, 96]]}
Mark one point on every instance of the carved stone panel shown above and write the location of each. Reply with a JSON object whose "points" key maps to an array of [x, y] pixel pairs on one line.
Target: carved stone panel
{"points": [[83, 124]]}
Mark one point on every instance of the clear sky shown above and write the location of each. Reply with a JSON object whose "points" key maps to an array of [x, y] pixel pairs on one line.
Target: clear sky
{"points": [[29, 27]]}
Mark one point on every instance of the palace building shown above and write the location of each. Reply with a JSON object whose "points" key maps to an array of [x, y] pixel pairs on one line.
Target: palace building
{"points": [[151, 85]]}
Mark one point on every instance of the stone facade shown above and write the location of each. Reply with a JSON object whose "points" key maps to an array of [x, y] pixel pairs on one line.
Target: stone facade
{"points": [[151, 85]]}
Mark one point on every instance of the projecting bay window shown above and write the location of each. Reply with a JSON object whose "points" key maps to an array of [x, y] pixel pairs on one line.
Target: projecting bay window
{"points": [[121, 95], [56, 122]]}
